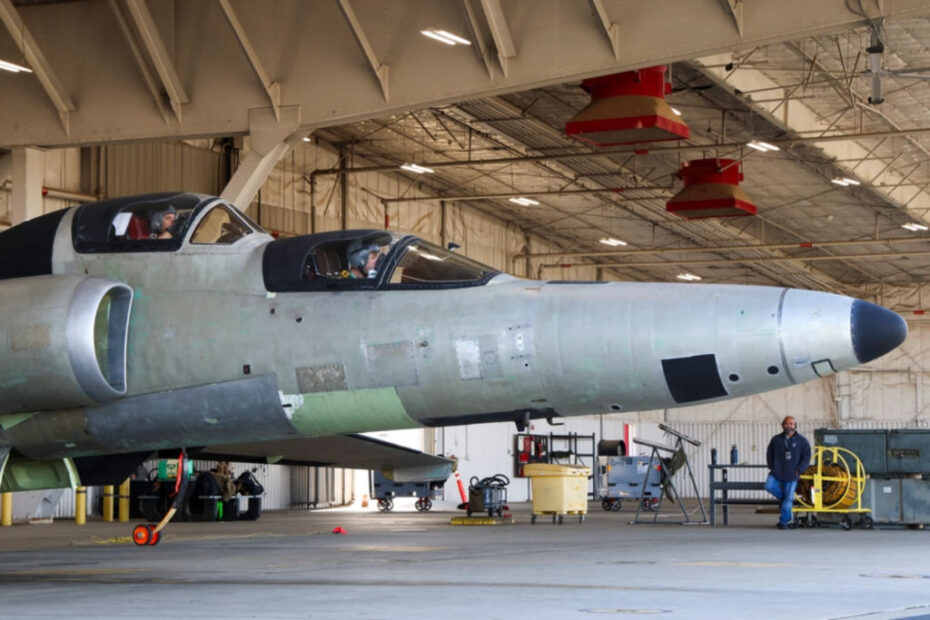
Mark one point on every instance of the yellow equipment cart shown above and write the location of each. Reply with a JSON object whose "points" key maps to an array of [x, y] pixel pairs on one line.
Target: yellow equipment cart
{"points": [[558, 490], [833, 484]]}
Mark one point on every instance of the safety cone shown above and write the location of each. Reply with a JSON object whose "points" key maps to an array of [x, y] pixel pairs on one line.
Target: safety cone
{"points": [[365, 500]]}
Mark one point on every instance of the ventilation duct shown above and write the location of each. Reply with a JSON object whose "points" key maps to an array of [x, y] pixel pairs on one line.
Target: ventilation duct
{"points": [[627, 108], [711, 190]]}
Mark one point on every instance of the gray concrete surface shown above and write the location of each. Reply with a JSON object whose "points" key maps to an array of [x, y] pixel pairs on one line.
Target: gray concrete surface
{"points": [[407, 564]]}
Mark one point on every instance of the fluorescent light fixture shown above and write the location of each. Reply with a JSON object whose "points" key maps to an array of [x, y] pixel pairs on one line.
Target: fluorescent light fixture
{"points": [[9, 66], [444, 36], [676, 111], [524, 202], [306, 138], [612, 242], [762, 146], [416, 168], [914, 227], [844, 181], [688, 277]]}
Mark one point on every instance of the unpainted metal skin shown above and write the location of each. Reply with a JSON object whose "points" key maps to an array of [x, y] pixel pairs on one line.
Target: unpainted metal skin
{"points": [[207, 353]]}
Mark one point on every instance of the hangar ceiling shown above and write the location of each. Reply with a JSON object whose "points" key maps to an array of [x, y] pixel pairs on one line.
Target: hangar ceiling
{"points": [[490, 119]]}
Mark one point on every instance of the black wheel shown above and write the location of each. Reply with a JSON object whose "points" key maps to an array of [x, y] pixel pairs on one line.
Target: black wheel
{"points": [[382, 505], [866, 522], [616, 505], [390, 504], [533, 519], [606, 504], [846, 523], [427, 504]]}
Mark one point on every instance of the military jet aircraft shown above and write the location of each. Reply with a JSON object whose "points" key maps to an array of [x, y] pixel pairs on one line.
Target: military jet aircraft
{"points": [[169, 321]]}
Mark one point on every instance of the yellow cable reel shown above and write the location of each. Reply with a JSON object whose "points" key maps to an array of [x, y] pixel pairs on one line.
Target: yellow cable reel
{"points": [[834, 481]]}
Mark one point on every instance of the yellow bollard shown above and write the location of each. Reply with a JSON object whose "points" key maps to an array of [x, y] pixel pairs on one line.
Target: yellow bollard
{"points": [[124, 501], [80, 505], [6, 509], [108, 503]]}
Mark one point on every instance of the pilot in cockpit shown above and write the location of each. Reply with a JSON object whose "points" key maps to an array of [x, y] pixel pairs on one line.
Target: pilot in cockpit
{"points": [[363, 260], [161, 222]]}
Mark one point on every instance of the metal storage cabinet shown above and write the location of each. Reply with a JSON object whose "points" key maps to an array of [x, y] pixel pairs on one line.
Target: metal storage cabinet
{"points": [[915, 499], [908, 452], [869, 445], [884, 498]]}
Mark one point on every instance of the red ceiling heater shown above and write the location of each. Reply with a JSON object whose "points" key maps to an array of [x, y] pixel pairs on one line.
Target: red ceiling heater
{"points": [[711, 190], [627, 108]]}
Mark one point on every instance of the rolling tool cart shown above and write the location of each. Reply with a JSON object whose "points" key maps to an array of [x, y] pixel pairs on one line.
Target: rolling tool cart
{"points": [[488, 494], [629, 477], [384, 491]]}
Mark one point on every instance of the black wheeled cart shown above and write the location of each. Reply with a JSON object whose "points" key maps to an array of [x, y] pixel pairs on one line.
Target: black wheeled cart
{"points": [[384, 491]]}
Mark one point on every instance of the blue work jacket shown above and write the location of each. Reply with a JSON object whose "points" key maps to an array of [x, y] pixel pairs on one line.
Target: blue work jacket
{"points": [[788, 458]]}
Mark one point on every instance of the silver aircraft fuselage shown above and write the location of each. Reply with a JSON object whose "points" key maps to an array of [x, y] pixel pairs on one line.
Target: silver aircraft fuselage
{"points": [[213, 356]]}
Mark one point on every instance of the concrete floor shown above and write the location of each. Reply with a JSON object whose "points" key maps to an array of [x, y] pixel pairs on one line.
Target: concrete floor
{"points": [[415, 565]]}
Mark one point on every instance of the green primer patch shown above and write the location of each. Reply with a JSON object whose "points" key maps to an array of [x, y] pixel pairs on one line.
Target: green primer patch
{"points": [[351, 411]]}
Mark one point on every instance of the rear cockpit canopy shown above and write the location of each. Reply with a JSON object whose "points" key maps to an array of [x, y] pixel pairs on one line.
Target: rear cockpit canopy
{"points": [[366, 259], [157, 223]]}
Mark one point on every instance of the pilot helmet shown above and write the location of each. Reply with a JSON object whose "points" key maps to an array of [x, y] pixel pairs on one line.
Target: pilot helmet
{"points": [[155, 222], [358, 253]]}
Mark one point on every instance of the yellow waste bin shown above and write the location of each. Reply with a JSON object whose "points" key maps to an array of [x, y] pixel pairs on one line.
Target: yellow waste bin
{"points": [[558, 490]]}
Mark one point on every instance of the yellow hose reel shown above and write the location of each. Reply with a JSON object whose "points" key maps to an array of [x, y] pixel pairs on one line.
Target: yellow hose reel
{"points": [[834, 483]]}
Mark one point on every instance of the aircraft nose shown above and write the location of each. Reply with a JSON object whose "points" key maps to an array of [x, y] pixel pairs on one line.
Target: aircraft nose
{"points": [[875, 330]]}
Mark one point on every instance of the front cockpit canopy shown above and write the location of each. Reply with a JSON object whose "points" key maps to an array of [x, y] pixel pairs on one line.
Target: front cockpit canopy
{"points": [[366, 259]]}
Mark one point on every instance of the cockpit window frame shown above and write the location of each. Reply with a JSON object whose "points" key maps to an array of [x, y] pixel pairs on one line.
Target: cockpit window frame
{"points": [[285, 259], [91, 224]]}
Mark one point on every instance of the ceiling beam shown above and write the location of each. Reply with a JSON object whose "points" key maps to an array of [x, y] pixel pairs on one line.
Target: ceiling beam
{"points": [[120, 12], [380, 69], [272, 89], [611, 29], [735, 9], [500, 32], [33, 54], [481, 44], [749, 259], [801, 245], [651, 150], [157, 54]]}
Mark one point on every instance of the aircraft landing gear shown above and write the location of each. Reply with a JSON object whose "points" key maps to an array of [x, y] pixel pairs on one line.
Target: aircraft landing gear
{"points": [[149, 535]]}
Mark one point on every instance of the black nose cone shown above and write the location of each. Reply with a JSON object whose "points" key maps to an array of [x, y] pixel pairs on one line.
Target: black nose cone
{"points": [[875, 330]]}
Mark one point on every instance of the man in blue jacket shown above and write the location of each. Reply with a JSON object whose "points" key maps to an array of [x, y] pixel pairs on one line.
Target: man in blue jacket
{"points": [[788, 456]]}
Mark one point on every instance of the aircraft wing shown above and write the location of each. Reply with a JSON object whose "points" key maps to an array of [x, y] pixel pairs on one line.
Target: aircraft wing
{"points": [[398, 463]]}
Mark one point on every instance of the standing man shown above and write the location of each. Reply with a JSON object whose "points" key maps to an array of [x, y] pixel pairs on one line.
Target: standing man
{"points": [[788, 456]]}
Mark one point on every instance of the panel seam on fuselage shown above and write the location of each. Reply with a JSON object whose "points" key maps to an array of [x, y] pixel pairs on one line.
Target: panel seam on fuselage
{"points": [[781, 337]]}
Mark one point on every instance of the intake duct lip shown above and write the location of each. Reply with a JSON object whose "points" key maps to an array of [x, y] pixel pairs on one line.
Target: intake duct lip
{"points": [[98, 383]]}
